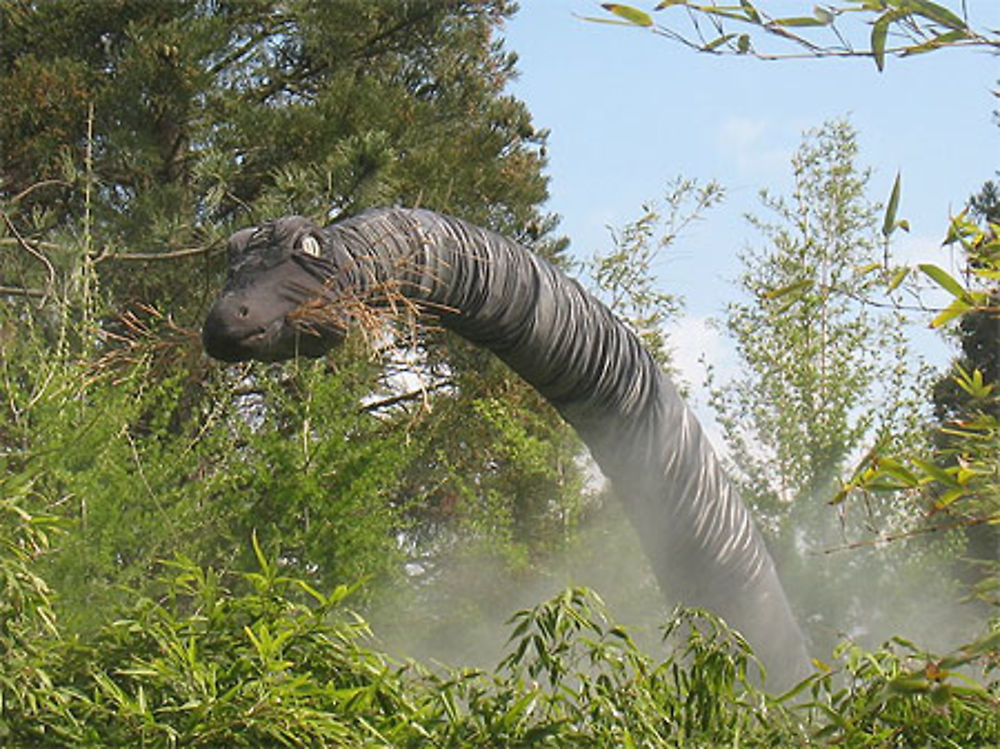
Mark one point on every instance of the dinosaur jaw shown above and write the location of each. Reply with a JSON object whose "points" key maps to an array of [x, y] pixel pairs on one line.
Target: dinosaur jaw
{"points": [[230, 338]]}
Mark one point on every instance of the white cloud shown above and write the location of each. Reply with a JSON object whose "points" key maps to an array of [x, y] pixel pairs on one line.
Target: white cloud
{"points": [[758, 150]]}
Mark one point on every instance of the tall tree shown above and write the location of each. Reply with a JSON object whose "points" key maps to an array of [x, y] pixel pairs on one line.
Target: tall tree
{"points": [[134, 137], [817, 359], [184, 119], [967, 396]]}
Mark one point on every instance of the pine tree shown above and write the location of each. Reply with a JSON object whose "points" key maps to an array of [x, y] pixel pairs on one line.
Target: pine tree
{"points": [[134, 138]]}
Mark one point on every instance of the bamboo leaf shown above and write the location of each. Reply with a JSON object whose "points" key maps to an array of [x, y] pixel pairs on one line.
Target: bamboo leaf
{"points": [[880, 31], [942, 40], [632, 15], [949, 497], [751, 11], [716, 43], [898, 278], [824, 15], [800, 21], [955, 309], [889, 221], [937, 13], [937, 473], [943, 279], [789, 289]]}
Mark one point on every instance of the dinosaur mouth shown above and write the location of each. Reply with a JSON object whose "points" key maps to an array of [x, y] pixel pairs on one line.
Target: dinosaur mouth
{"points": [[282, 340]]}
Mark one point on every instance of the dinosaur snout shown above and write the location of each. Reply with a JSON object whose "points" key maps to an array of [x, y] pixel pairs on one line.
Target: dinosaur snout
{"points": [[232, 328]]}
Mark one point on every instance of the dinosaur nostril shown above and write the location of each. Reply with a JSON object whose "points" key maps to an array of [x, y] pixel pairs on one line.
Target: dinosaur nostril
{"points": [[244, 310]]}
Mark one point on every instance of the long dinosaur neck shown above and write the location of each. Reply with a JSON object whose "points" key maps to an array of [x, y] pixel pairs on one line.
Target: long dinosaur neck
{"points": [[696, 531]]}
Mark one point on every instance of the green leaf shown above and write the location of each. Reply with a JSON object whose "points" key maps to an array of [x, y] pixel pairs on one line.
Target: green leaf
{"points": [[942, 40], [985, 644], [943, 279], [937, 473], [799, 21], [823, 15], [908, 685], [895, 469], [948, 497], [898, 278], [667, 3], [789, 289], [716, 43], [937, 13], [889, 221], [751, 11], [630, 14], [955, 309], [880, 31]]}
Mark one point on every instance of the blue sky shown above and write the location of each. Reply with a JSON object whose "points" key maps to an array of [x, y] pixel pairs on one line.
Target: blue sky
{"points": [[629, 111]]}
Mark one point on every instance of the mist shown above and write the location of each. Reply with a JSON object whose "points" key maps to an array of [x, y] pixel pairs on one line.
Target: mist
{"points": [[907, 589]]}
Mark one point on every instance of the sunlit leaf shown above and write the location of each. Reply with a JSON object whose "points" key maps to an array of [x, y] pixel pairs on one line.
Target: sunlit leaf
{"points": [[908, 685], [937, 473], [716, 43], [889, 220], [751, 11], [630, 14], [800, 21], [898, 278], [823, 15], [941, 40], [667, 3], [943, 279], [949, 497], [789, 289], [880, 31], [955, 309], [937, 13], [895, 469]]}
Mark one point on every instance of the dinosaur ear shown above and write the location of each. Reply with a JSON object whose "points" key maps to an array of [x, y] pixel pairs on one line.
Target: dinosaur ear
{"points": [[310, 245], [238, 242]]}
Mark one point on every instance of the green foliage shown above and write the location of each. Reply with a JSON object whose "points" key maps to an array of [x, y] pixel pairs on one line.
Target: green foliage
{"points": [[624, 277], [958, 481], [899, 28], [149, 132], [168, 127], [265, 659], [828, 372], [815, 348]]}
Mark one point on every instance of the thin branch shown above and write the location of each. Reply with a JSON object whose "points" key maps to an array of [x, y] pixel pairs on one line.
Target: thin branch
{"points": [[36, 243], [889, 538], [18, 291], [421, 392], [25, 245], [154, 256], [31, 188]]}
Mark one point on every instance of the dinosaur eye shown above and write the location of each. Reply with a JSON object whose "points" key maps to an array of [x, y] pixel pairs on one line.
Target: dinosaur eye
{"points": [[310, 246]]}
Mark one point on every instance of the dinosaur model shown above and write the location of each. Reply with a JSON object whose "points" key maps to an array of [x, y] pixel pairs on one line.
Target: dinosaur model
{"points": [[293, 289]]}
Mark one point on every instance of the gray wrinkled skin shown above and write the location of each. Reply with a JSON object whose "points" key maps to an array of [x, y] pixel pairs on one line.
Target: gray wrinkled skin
{"points": [[703, 545]]}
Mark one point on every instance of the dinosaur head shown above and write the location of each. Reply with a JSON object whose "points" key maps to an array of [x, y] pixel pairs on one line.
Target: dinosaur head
{"points": [[276, 303]]}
